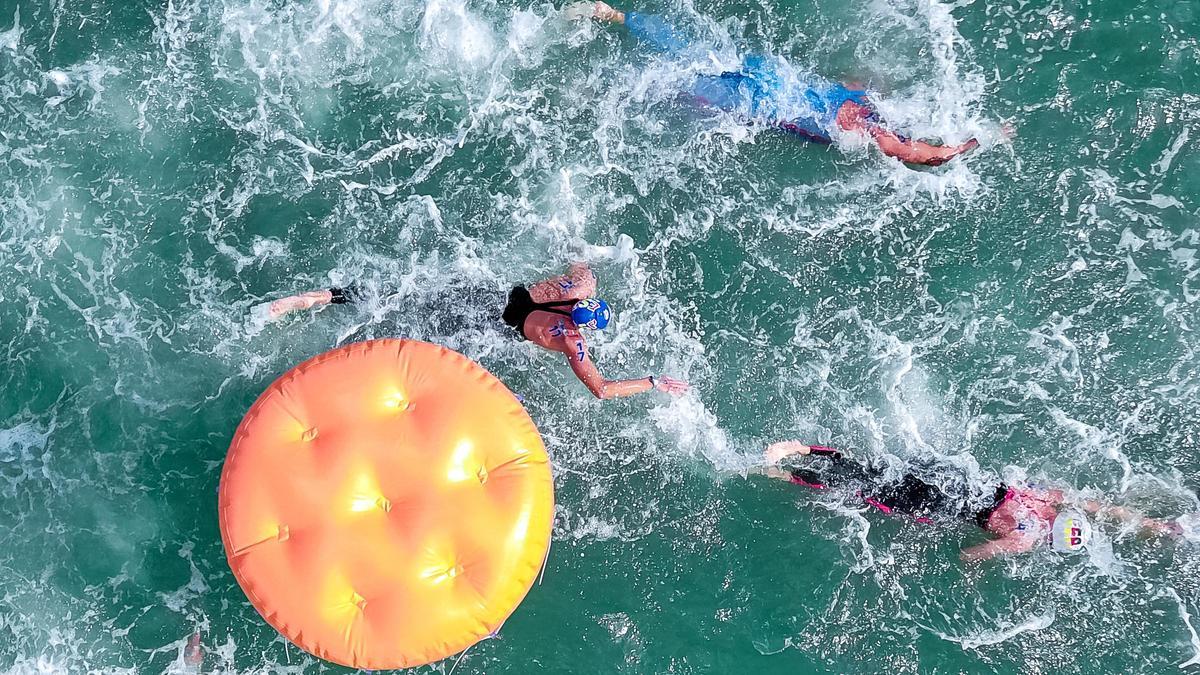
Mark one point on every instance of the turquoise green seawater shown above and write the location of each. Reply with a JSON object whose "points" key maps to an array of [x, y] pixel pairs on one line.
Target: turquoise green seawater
{"points": [[1030, 312]]}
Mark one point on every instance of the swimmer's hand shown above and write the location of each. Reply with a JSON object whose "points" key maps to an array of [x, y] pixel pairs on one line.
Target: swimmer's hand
{"points": [[193, 653], [622, 251], [947, 154], [670, 385], [776, 452], [295, 303]]}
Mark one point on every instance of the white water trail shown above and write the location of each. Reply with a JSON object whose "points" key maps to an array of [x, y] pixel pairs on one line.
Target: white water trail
{"points": [[1000, 635], [1186, 617]]}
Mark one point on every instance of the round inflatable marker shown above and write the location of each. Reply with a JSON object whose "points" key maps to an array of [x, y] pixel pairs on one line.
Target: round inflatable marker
{"points": [[386, 504]]}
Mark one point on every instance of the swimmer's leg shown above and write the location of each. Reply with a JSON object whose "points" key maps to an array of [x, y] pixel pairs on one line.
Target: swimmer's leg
{"points": [[774, 454], [857, 117], [295, 303]]}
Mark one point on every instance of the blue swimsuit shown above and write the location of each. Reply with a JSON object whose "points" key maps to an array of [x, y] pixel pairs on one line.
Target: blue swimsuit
{"points": [[807, 107]]}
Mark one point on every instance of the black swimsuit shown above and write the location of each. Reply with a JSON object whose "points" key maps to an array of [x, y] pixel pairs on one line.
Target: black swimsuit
{"points": [[910, 495], [521, 305], [983, 516]]}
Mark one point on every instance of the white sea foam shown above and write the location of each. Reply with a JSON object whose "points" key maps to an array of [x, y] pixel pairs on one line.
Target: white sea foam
{"points": [[419, 146], [11, 38], [1001, 635]]}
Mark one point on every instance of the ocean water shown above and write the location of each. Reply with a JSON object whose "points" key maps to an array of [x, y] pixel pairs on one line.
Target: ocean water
{"points": [[1029, 312]]}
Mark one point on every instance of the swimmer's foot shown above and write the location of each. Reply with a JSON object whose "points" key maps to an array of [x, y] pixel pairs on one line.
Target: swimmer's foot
{"points": [[600, 11], [776, 452], [604, 12], [193, 654]]}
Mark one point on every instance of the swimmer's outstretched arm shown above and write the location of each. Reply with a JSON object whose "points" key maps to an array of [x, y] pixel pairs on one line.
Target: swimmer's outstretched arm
{"points": [[1018, 542], [855, 117], [576, 351], [1125, 515], [295, 303]]}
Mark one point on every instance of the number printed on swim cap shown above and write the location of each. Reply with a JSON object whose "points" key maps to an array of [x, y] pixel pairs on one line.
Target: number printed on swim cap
{"points": [[591, 313], [1070, 532]]}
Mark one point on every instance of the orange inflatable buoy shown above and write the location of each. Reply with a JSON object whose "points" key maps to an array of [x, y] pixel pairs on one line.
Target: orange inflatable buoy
{"points": [[386, 504]]}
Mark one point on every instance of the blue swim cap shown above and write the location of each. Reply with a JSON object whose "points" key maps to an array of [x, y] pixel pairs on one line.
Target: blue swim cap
{"points": [[591, 313]]}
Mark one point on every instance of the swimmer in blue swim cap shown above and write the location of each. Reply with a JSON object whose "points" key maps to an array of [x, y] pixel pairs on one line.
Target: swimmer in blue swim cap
{"points": [[1019, 518], [551, 314], [808, 105]]}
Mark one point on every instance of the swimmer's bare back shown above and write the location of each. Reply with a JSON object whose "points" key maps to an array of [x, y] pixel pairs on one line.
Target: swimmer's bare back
{"points": [[548, 329], [1022, 508], [1020, 521]]}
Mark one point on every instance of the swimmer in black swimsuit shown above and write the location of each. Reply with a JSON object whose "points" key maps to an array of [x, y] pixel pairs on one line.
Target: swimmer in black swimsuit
{"points": [[908, 495], [1019, 517], [550, 313]]}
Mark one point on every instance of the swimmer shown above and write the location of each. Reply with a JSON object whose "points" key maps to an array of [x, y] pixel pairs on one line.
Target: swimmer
{"points": [[1019, 517], [814, 108], [550, 314]]}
